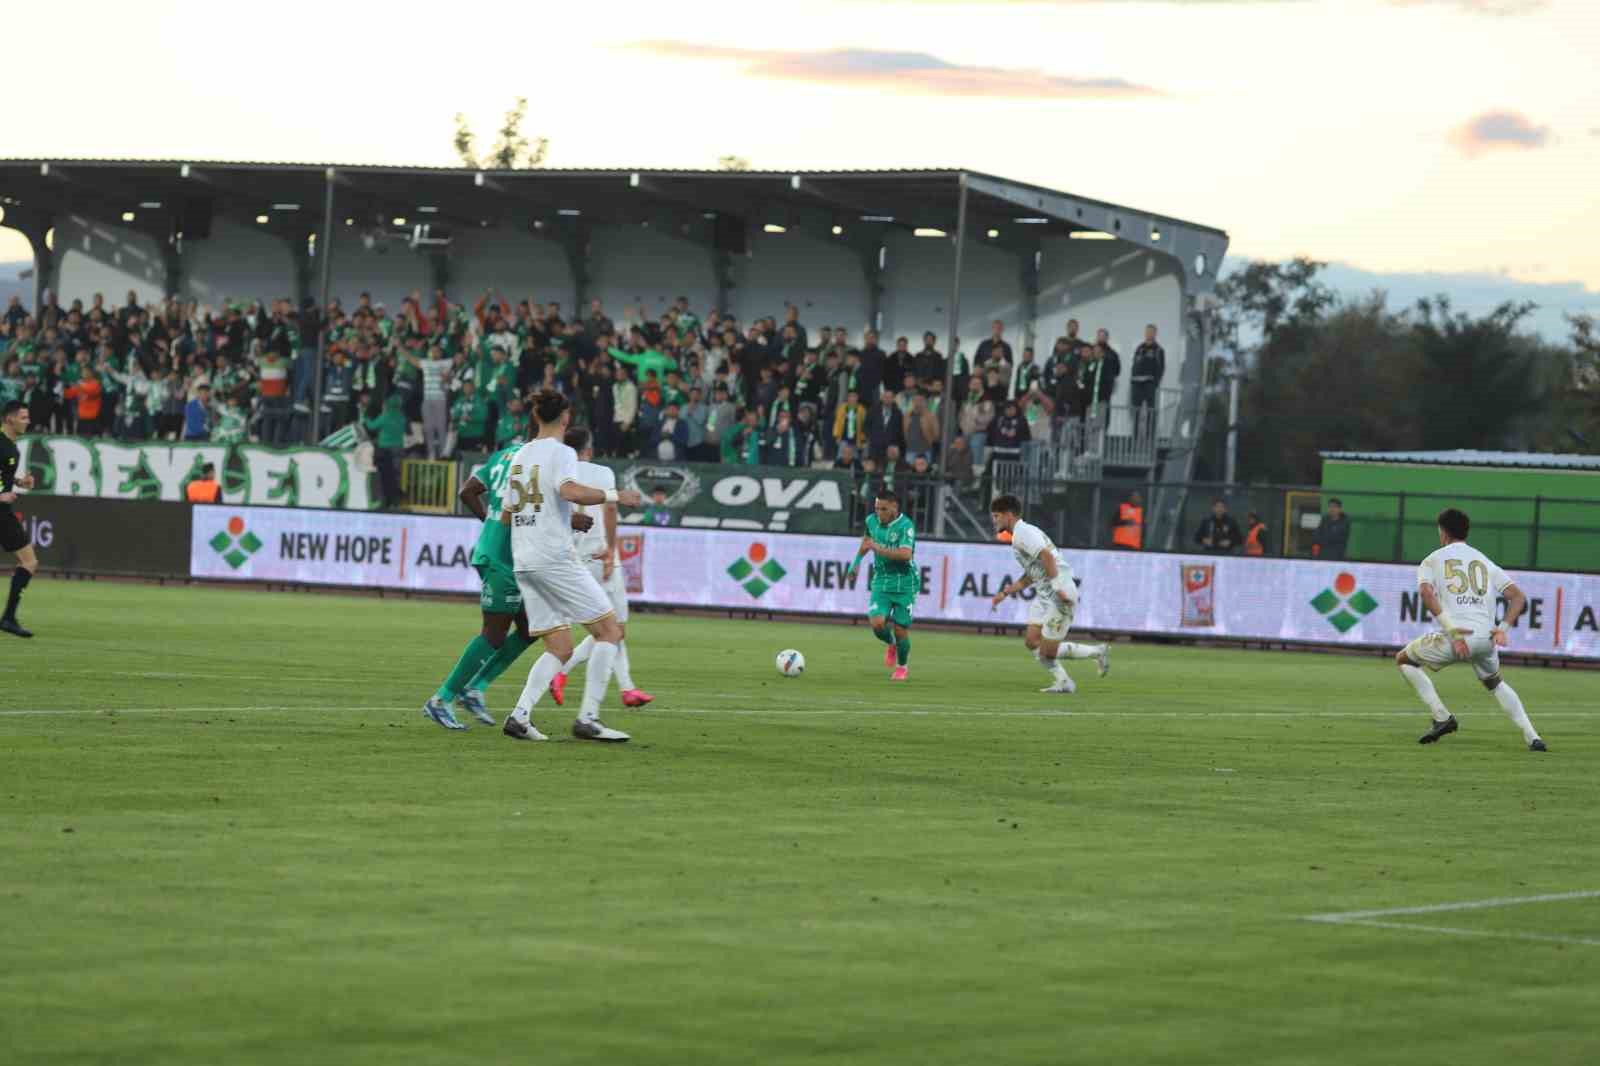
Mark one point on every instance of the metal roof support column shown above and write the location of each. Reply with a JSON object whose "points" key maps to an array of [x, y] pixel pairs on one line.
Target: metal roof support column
{"points": [[325, 250], [1030, 299], [576, 245], [722, 267], [44, 266], [873, 263], [949, 402], [438, 274], [171, 269]]}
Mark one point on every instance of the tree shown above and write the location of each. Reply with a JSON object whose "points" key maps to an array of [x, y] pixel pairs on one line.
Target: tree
{"points": [[733, 162], [1480, 377], [1574, 421], [512, 148]]}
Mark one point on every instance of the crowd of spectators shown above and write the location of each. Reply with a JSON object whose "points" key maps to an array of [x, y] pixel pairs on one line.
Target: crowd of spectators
{"points": [[438, 378]]}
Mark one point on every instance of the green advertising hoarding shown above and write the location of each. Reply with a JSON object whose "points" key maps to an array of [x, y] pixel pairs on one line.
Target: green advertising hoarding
{"points": [[717, 496]]}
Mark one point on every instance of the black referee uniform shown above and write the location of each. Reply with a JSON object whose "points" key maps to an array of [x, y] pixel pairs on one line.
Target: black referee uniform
{"points": [[13, 537]]}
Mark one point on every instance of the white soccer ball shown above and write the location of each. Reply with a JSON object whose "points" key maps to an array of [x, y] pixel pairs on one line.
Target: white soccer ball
{"points": [[791, 663]]}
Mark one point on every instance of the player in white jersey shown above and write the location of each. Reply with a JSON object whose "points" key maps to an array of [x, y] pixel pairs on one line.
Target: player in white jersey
{"points": [[1055, 596], [597, 549], [558, 590], [1460, 586]]}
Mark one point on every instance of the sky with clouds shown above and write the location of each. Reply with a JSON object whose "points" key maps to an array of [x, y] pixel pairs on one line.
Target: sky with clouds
{"points": [[1412, 138]]}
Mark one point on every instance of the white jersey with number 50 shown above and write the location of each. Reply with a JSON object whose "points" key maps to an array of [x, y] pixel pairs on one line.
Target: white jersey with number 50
{"points": [[1467, 583], [541, 521], [599, 477], [1031, 545]]}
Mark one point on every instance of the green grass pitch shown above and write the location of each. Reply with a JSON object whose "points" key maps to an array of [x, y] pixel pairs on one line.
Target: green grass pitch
{"points": [[229, 837]]}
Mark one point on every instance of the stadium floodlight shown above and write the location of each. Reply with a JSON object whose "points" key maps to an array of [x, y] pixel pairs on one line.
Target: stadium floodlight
{"points": [[927, 231], [1090, 235], [773, 228]]}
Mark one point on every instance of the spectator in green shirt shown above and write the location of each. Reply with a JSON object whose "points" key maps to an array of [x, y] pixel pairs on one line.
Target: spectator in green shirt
{"points": [[470, 417], [389, 432], [514, 423]]}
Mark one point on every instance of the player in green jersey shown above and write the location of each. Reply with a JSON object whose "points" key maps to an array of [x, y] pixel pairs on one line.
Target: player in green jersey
{"points": [[498, 645], [895, 579]]}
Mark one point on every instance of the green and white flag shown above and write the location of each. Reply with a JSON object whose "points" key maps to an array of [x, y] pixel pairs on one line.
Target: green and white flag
{"points": [[347, 437]]}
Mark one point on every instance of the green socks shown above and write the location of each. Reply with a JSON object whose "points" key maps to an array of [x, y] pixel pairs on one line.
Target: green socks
{"points": [[500, 662], [885, 634], [478, 652], [902, 651]]}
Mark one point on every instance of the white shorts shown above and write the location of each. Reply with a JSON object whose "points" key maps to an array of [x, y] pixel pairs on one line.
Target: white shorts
{"points": [[561, 593], [1433, 650], [1052, 616], [615, 586]]}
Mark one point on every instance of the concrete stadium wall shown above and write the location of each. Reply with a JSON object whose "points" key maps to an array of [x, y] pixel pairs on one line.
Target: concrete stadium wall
{"points": [[1113, 286], [93, 257], [918, 272], [236, 262], [519, 265], [824, 278], [631, 265], [389, 275]]}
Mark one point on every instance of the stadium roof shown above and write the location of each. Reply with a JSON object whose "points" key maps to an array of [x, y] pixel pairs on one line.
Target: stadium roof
{"points": [[290, 197], [1472, 457]]}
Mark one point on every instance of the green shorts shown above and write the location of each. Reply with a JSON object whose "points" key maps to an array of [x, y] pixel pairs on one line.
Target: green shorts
{"points": [[500, 594], [895, 606]]}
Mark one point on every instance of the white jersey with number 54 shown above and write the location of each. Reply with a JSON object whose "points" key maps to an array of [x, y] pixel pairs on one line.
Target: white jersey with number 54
{"points": [[541, 521], [1467, 583]]}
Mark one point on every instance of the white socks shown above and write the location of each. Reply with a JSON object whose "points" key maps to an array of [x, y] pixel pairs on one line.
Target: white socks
{"points": [[597, 679], [1051, 666], [1079, 651], [580, 654], [544, 671], [622, 669], [1511, 703], [1424, 686]]}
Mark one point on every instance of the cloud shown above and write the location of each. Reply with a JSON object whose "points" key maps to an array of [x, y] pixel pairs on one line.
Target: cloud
{"points": [[1496, 130], [913, 73]]}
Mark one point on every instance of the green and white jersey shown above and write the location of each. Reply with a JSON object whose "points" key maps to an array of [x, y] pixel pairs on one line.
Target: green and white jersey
{"points": [[494, 539], [887, 575]]}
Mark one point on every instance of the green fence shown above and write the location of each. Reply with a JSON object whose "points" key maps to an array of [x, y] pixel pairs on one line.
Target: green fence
{"points": [[1531, 532]]}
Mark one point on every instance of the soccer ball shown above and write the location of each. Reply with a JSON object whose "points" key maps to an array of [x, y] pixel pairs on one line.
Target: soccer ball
{"points": [[791, 663]]}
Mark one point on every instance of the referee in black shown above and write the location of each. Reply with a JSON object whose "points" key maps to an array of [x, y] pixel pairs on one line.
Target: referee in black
{"points": [[13, 538]]}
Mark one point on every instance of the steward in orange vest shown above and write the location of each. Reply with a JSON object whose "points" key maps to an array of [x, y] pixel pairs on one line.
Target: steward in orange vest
{"points": [[1255, 539], [205, 489], [1128, 530]]}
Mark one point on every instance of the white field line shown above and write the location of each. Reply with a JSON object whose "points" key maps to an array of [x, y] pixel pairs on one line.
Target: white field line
{"points": [[868, 709], [1547, 938], [1440, 908], [1377, 918]]}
